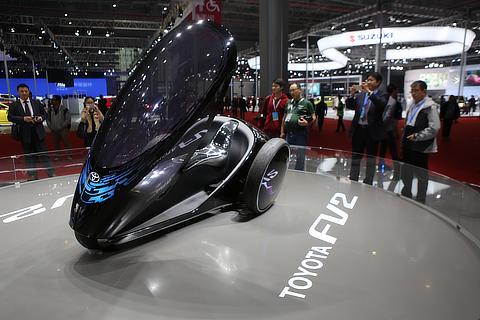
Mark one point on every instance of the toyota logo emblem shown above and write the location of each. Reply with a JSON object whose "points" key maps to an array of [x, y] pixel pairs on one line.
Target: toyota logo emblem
{"points": [[94, 177]]}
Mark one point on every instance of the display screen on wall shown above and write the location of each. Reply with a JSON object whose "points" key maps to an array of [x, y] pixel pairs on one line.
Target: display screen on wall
{"points": [[82, 86], [435, 81], [472, 78], [313, 88]]}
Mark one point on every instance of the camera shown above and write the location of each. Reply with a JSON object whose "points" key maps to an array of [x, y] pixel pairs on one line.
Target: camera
{"points": [[308, 119]]}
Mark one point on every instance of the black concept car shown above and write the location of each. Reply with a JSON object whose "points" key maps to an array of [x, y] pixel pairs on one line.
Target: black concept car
{"points": [[162, 156]]}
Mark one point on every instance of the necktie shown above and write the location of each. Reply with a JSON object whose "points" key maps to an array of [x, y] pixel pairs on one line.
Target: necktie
{"points": [[363, 114], [27, 109]]}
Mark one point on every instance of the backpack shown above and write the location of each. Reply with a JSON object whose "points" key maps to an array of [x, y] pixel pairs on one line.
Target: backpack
{"points": [[65, 110]]}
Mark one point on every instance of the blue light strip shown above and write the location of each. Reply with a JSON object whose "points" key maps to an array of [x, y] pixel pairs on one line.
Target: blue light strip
{"points": [[96, 192]]}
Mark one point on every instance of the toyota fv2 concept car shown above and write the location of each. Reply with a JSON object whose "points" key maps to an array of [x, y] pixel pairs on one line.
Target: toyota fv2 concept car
{"points": [[162, 156]]}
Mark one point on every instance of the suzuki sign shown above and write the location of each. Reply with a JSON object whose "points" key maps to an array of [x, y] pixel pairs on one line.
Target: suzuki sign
{"points": [[452, 39]]}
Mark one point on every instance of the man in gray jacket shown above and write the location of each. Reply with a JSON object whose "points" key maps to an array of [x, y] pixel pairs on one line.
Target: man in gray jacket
{"points": [[59, 121], [419, 140]]}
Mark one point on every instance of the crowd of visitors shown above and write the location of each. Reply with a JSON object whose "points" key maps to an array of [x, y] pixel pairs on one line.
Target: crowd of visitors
{"points": [[374, 129], [28, 116]]}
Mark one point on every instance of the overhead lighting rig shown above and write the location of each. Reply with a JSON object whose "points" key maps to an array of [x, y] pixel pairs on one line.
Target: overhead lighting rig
{"points": [[69, 59]]}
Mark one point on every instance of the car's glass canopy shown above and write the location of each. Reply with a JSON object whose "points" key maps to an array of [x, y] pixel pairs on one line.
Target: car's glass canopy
{"points": [[170, 83]]}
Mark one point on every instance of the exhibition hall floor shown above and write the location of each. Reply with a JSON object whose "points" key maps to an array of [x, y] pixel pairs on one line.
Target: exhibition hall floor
{"points": [[328, 249]]}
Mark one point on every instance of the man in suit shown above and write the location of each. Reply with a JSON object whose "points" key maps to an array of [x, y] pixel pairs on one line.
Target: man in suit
{"points": [[367, 128], [29, 115]]}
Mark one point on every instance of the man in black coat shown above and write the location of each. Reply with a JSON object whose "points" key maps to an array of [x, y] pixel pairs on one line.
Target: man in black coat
{"points": [[367, 128], [29, 115], [321, 110]]}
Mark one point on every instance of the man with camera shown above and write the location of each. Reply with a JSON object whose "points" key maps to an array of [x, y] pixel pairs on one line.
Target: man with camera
{"points": [[298, 116], [29, 114], [367, 128]]}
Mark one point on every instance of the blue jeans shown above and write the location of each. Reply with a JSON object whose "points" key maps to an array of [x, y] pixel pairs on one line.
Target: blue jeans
{"points": [[298, 138]]}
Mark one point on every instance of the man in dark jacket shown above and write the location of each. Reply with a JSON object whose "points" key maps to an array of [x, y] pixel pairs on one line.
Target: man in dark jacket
{"points": [[367, 128], [449, 112], [393, 111], [321, 110], [29, 115]]}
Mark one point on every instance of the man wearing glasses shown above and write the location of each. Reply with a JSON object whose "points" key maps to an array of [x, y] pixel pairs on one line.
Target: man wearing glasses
{"points": [[298, 116], [419, 140]]}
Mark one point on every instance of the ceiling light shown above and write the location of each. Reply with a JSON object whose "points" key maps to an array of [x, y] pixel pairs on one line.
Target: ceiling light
{"points": [[89, 32], [66, 14], [77, 32], [114, 5]]}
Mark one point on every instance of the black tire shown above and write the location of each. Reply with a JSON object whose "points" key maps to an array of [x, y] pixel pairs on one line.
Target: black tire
{"points": [[273, 154], [89, 243]]}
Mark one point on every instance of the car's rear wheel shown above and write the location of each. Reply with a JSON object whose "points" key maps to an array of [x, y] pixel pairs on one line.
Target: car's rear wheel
{"points": [[265, 176]]}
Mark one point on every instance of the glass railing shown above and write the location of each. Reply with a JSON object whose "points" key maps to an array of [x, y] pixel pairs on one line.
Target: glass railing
{"points": [[453, 201], [27, 167]]}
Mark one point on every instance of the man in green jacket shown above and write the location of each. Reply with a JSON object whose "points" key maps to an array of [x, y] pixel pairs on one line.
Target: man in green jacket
{"points": [[299, 114]]}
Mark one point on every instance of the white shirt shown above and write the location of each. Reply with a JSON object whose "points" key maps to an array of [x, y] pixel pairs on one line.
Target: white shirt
{"points": [[29, 106]]}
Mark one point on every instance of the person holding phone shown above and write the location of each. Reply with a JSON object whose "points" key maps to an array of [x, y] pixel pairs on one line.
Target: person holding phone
{"points": [[28, 114], [92, 117], [298, 116], [367, 128]]}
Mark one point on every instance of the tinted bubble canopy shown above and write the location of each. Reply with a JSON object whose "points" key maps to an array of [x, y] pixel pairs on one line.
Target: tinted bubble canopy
{"points": [[168, 87]]}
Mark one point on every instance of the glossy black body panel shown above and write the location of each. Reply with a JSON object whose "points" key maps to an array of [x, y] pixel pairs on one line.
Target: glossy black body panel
{"points": [[161, 156]]}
